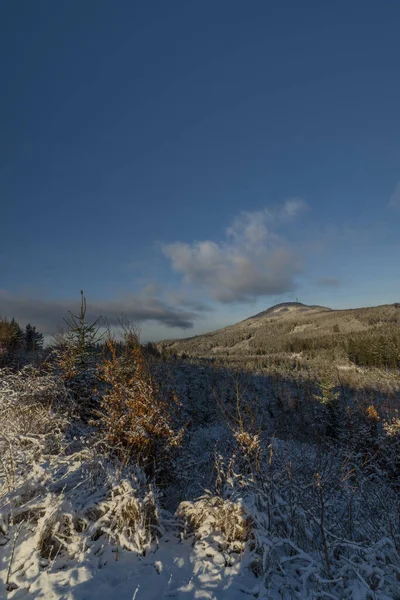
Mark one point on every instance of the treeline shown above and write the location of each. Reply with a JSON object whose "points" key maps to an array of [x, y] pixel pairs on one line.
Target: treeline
{"points": [[372, 348], [14, 338], [315, 344], [381, 351]]}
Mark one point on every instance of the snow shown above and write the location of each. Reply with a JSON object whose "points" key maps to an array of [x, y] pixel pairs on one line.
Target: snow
{"points": [[77, 524], [174, 568]]}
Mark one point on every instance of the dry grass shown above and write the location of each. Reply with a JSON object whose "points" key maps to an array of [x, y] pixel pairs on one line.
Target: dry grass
{"points": [[34, 411], [213, 513], [56, 534], [126, 518]]}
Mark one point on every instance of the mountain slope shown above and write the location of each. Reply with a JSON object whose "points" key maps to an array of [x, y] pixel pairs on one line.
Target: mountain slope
{"points": [[279, 309], [293, 328]]}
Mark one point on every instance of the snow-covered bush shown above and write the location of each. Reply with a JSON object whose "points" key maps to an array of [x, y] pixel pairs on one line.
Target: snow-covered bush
{"points": [[128, 518], [214, 513], [135, 420], [389, 451], [69, 506], [34, 409]]}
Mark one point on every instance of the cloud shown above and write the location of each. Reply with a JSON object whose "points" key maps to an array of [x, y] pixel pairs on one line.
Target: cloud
{"points": [[47, 315], [394, 201], [293, 206], [183, 300], [252, 261], [329, 281]]}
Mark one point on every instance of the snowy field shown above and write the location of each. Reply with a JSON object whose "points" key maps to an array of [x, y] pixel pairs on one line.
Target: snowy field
{"points": [[238, 512]]}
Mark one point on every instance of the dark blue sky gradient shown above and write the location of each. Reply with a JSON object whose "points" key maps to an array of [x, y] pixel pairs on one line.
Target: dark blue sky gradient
{"points": [[127, 126]]}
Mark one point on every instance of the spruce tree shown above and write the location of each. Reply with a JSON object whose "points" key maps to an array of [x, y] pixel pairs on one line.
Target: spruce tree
{"points": [[17, 335], [82, 337], [11, 339], [329, 398], [6, 336], [76, 353], [33, 340]]}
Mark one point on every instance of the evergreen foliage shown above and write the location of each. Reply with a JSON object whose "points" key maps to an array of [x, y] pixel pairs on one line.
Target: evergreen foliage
{"points": [[33, 340], [329, 398], [368, 350], [76, 354], [11, 338]]}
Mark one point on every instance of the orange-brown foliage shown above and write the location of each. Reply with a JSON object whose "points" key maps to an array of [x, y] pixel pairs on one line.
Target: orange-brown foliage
{"points": [[136, 418], [372, 414]]}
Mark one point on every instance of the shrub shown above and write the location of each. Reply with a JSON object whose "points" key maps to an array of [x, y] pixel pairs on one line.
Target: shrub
{"points": [[136, 418], [211, 513], [128, 517], [33, 414], [389, 456]]}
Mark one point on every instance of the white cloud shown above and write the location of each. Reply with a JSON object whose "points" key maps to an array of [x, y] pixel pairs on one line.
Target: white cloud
{"points": [[252, 261], [294, 206]]}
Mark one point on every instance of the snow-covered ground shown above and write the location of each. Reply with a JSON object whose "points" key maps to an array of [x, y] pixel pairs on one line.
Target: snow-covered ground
{"points": [[62, 538], [176, 569], [236, 515]]}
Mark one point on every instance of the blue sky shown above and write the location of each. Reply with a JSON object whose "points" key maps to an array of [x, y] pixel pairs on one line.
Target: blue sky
{"points": [[190, 163]]}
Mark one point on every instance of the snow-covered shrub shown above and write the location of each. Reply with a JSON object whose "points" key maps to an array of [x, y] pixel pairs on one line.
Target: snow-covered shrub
{"points": [[319, 524], [389, 451], [194, 466], [392, 429], [125, 513], [129, 519], [136, 421], [34, 409], [214, 513], [321, 535], [56, 533], [31, 386], [240, 410], [68, 507], [249, 445]]}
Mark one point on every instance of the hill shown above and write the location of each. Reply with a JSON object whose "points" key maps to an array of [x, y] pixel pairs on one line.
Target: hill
{"points": [[289, 307], [295, 331]]}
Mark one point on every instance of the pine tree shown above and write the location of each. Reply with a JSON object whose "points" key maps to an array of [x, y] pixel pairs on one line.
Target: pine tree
{"points": [[76, 353], [11, 336], [79, 340], [11, 340], [329, 398], [28, 338], [33, 340], [17, 335], [5, 336]]}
